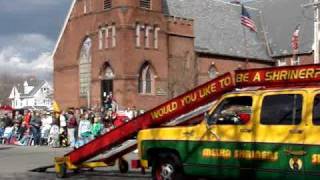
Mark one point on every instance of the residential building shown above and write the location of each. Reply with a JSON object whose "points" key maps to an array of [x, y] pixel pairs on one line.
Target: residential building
{"points": [[32, 94]]}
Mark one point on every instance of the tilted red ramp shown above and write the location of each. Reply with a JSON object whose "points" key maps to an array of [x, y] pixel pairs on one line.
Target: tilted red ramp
{"points": [[182, 104]]}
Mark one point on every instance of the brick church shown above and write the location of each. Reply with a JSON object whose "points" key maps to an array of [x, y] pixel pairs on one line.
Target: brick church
{"points": [[148, 51]]}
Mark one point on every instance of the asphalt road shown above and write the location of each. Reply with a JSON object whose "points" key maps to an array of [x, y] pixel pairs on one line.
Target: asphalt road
{"points": [[18, 162]]}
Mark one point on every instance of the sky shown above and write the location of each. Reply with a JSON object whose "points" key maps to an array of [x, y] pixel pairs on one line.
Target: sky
{"points": [[28, 33]]}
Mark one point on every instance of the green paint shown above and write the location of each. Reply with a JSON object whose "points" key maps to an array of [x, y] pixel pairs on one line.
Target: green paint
{"points": [[227, 165]]}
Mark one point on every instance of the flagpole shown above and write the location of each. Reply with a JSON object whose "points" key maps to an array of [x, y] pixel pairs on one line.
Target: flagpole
{"points": [[246, 48]]}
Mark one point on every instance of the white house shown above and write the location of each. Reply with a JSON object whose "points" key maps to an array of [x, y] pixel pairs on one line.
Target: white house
{"points": [[32, 94]]}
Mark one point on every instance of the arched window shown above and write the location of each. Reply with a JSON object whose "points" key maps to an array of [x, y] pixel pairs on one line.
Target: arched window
{"points": [[108, 73], [212, 72], [85, 67], [146, 79]]}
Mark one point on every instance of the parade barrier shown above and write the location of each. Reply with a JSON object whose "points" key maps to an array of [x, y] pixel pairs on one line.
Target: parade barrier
{"points": [[167, 111]]}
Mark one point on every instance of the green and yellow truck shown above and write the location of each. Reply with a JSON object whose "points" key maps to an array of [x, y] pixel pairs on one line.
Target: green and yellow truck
{"points": [[268, 130]]}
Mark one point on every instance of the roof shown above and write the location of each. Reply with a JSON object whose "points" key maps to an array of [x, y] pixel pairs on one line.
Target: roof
{"points": [[218, 29], [37, 84], [280, 17]]}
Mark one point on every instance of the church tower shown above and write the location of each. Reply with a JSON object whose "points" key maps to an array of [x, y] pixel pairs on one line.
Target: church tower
{"points": [[112, 46]]}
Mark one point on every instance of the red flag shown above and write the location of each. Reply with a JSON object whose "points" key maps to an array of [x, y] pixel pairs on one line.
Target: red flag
{"points": [[295, 39]]}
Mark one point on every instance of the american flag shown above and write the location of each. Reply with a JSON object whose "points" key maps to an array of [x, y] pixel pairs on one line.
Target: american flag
{"points": [[246, 19], [295, 39]]}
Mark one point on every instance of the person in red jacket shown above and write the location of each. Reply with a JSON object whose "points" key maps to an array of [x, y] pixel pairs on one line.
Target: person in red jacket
{"points": [[120, 118], [27, 118]]}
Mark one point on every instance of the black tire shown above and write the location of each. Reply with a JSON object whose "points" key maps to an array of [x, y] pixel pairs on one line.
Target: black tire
{"points": [[167, 167], [63, 171], [123, 166]]}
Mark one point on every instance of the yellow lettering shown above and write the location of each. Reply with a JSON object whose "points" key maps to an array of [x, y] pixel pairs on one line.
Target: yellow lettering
{"points": [[225, 82], [242, 77], [310, 73], [283, 75], [302, 74], [257, 77], [268, 76]]}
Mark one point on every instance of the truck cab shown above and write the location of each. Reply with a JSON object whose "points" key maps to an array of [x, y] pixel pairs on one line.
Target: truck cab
{"points": [[256, 133]]}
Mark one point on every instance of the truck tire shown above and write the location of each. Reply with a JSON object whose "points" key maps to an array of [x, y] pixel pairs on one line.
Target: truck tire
{"points": [[123, 166], [167, 168]]}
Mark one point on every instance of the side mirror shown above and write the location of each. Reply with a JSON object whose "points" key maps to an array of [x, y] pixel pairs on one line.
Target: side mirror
{"points": [[209, 121], [206, 117]]}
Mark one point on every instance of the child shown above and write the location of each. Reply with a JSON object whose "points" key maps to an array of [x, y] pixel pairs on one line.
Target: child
{"points": [[25, 137], [96, 127], [7, 134], [53, 139], [84, 130]]}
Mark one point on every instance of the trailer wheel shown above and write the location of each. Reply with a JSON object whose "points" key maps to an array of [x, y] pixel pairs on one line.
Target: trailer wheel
{"points": [[123, 166], [167, 168], [62, 171]]}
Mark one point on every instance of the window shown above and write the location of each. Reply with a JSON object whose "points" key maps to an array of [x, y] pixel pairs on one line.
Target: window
{"points": [[86, 6], [281, 62], [150, 36], [108, 74], [295, 61], [147, 36], [107, 34], [316, 110], [146, 4], [85, 68], [283, 109], [107, 4], [102, 38], [233, 110], [156, 37], [113, 35], [212, 72], [146, 79], [138, 35]]}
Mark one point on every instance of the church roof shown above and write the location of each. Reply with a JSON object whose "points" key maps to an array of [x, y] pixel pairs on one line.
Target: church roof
{"points": [[218, 28]]}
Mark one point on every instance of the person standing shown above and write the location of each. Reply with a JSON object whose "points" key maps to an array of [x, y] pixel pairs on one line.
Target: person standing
{"points": [[84, 130], [72, 125], [27, 117], [96, 127], [35, 128]]}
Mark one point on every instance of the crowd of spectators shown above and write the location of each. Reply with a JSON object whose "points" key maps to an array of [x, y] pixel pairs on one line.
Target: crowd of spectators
{"points": [[72, 127]]}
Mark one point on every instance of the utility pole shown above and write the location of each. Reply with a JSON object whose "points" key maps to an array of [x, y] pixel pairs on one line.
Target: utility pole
{"points": [[315, 4]]}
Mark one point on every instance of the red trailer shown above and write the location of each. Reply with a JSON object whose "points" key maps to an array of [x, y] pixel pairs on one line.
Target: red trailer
{"points": [[164, 113]]}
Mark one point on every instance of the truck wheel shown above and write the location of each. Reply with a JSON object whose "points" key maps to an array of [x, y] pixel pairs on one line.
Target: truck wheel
{"points": [[167, 168], [123, 165], [62, 171]]}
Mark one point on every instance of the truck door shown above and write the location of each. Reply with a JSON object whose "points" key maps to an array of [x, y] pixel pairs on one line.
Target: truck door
{"points": [[280, 136], [312, 142], [230, 129]]}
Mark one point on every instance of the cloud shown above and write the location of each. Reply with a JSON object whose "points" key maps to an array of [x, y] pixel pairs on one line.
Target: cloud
{"points": [[27, 54], [33, 16], [23, 6]]}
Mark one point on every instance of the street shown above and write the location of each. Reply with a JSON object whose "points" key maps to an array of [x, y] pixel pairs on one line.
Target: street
{"points": [[22, 162]]}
